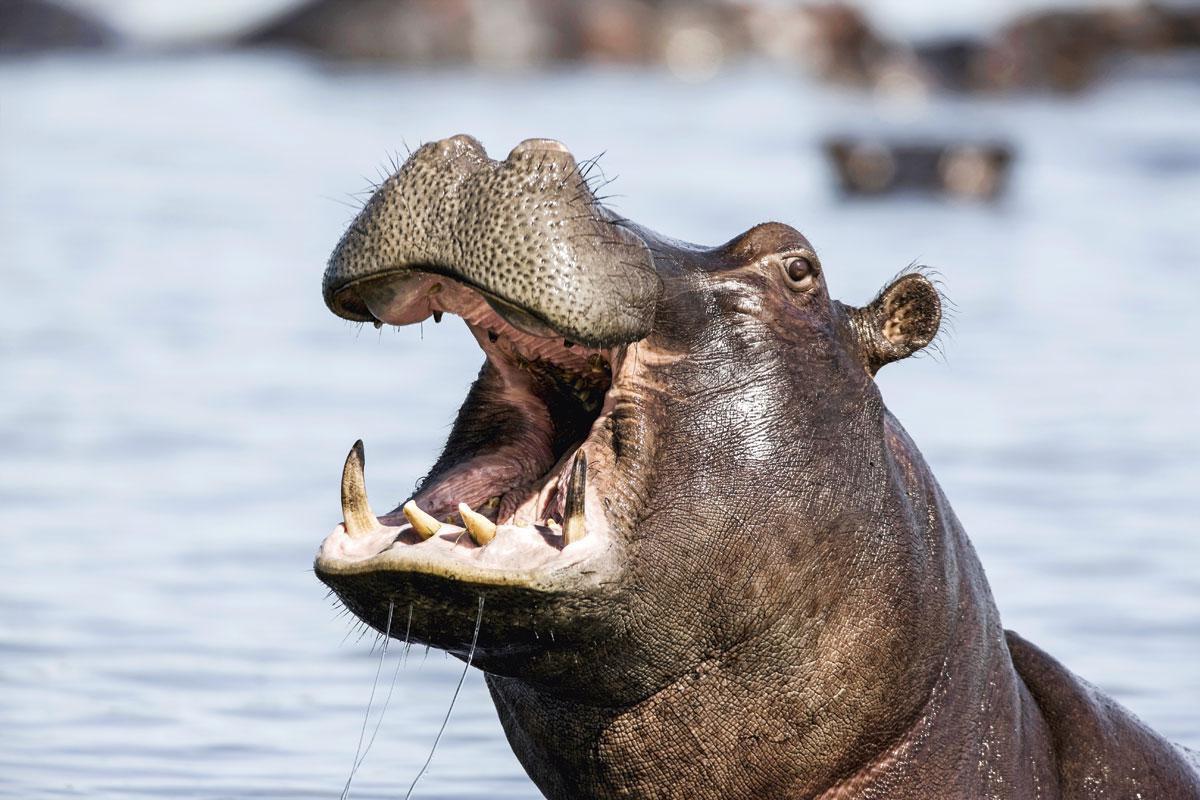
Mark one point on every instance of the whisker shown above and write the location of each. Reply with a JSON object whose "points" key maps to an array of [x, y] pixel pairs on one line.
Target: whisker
{"points": [[356, 207], [457, 689], [356, 627], [371, 699], [395, 673]]}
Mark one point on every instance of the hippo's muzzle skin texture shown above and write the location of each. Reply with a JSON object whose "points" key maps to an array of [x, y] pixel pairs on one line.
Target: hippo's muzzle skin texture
{"points": [[710, 562]]}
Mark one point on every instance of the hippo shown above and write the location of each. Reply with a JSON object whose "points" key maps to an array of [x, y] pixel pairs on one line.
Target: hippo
{"points": [[36, 26], [675, 524], [963, 169]]}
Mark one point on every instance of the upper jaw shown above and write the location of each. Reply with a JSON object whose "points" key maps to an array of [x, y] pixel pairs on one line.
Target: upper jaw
{"points": [[527, 232]]}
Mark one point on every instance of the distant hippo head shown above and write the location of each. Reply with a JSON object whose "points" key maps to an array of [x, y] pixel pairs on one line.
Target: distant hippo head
{"points": [[671, 451]]}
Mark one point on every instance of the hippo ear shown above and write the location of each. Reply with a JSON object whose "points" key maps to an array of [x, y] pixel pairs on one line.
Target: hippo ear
{"points": [[902, 319]]}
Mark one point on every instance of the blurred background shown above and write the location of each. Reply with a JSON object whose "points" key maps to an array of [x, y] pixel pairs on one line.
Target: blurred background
{"points": [[176, 401]]}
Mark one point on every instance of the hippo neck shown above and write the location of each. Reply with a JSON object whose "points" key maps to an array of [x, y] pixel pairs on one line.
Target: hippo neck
{"points": [[735, 728]]}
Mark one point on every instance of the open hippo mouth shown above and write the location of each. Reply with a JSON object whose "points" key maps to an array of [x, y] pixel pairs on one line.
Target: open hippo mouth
{"points": [[555, 290], [531, 501]]}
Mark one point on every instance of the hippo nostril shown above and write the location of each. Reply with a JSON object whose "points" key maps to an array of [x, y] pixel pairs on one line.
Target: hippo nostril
{"points": [[538, 146]]}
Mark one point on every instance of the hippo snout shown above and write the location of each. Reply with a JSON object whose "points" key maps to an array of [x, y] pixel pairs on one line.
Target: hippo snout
{"points": [[527, 233]]}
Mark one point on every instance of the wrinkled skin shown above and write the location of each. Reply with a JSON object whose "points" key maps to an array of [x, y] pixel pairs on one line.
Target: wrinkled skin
{"points": [[773, 598]]}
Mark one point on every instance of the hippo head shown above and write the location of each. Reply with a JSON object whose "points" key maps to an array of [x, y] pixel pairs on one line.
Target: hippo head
{"points": [[673, 455]]}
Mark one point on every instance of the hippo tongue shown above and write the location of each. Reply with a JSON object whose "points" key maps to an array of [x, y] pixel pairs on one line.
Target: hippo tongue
{"points": [[368, 535]]}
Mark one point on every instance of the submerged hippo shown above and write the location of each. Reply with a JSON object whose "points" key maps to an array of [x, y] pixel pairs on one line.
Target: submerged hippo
{"points": [[676, 525]]}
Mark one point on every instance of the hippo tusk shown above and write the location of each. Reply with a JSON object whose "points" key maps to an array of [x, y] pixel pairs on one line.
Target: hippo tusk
{"points": [[574, 527], [423, 524], [482, 529], [356, 511]]}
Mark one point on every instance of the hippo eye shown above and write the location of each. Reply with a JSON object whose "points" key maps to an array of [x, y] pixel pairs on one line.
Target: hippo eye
{"points": [[800, 271]]}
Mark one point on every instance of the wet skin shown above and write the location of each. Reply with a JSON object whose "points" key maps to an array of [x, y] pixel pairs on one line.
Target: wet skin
{"points": [[754, 587]]}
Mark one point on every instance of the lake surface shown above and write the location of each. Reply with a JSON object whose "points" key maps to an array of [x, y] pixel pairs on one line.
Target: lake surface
{"points": [[176, 401]]}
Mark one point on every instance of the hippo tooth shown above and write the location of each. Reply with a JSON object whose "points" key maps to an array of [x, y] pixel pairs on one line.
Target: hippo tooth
{"points": [[573, 528], [482, 529], [423, 524], [359, 519]]}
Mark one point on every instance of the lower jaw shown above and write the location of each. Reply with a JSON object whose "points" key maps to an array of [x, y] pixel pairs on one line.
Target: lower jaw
{"points": [[439, 591], [532, 557], [514, 614], [570, 528]]}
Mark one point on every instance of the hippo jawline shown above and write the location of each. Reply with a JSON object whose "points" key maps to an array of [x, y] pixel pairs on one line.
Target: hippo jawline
{"points": [[526, 513]]}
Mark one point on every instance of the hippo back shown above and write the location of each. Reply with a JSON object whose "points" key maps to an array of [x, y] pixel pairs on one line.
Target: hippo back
{"points": [[1103, 750]]}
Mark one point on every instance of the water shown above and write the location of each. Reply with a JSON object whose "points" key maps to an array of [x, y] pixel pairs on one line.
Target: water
{"points": [[177, 402]]}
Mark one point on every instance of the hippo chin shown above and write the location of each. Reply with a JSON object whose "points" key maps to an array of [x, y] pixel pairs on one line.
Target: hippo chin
{"points": [[676, 525]]}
